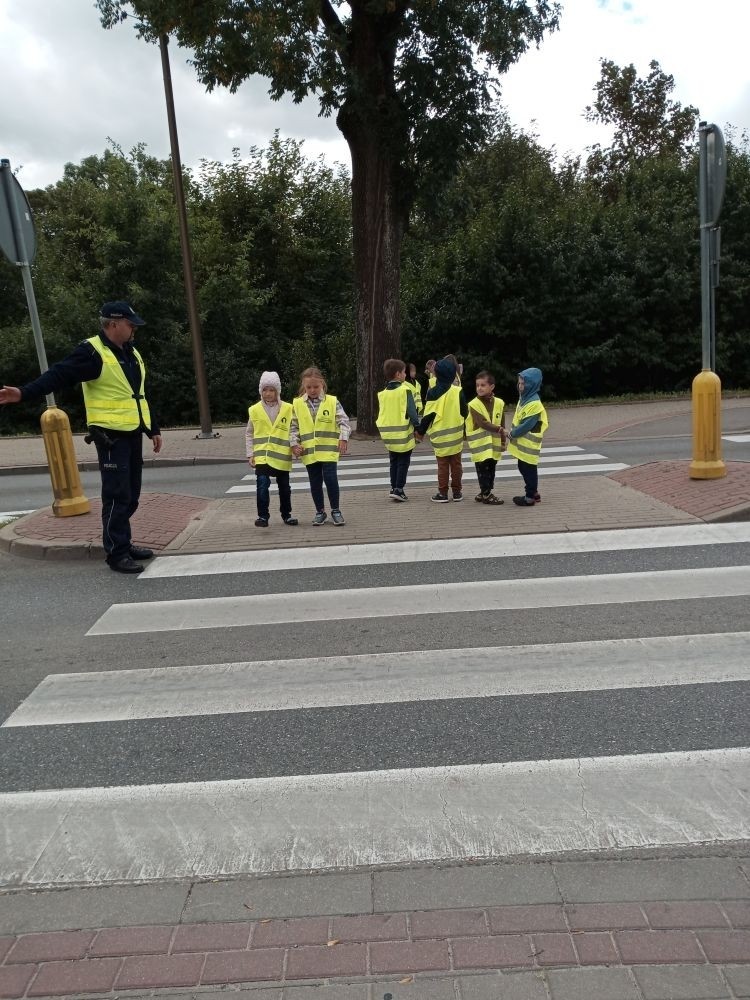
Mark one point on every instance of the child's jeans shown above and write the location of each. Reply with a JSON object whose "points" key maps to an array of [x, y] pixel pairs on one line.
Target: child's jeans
{"points": [[449, 465], [530, 475], [399, 468], [318, 473], [486, 475], [264, 474]]}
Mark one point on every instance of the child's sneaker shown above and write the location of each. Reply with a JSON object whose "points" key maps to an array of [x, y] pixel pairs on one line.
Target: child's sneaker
{"points": [[291, 521], [337, 517], [400, 496], [320, 518], [440, 498], [261, 522], [392, 494], [492, 500], [537, 498], [457, 496], [524, 502]]}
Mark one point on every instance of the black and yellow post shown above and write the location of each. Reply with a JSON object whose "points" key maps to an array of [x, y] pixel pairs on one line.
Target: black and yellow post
{"points": [[707, 460], [18, 243]]}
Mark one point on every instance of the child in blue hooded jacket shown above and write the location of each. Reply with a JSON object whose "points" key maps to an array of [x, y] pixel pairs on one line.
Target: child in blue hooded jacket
{"points": [[526, 433]]}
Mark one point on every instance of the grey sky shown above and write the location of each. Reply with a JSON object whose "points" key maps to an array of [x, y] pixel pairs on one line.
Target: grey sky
{"points": [[70, 84]]}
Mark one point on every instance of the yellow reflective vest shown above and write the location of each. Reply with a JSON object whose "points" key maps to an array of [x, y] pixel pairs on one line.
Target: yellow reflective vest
{"points": [[271, 440], [396, 430], [484, 444], [446, 432], [529, 445], [110, 399], [417, 393], [319, 437]]}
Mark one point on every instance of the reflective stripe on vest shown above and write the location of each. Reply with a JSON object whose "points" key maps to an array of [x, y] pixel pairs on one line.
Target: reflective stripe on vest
{"points": [[271, 441], [319, 438], [446, 432], [529, 445], [110, 400], [484, 444], [396, 430]]}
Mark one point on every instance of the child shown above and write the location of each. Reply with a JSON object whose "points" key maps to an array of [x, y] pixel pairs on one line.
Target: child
{"points": [[412, 383], [397, 418], [526, 433], [268, 449], [483, 434], [443, 421], [319, 434]]}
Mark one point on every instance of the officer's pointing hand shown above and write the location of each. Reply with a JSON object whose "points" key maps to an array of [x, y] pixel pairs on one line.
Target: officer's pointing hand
{"points": [[9, 394]]}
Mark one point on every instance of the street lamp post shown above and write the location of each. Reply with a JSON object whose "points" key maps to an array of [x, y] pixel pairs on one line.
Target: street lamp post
{"points": [[187, 260]]}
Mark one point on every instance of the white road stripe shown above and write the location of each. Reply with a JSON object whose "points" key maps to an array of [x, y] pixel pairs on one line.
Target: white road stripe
{"points": [[502, 473], [358, 467], [738, 438], [369, 554], [421, 675], [311, 822], [380, 602]]}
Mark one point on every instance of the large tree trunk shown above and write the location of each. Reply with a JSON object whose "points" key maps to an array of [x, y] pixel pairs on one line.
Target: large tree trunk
{"points": [[373, 125], [378, 227]]}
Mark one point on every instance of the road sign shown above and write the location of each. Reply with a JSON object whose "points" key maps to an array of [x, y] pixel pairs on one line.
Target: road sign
{"points": [[17, 235]]}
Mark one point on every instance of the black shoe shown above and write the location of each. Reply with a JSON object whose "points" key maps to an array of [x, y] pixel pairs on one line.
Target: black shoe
{"points": [[136, 552], [291, 521], [261, 522], [399, 495], [126, 565], [524, 501], [440, 498]]}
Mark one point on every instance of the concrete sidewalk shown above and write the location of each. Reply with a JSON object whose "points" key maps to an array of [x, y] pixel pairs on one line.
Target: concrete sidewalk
{"points": [[658, 493]]}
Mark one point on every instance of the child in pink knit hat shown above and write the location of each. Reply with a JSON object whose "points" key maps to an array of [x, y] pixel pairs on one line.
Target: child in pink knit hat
{"points": [[268, 449]]}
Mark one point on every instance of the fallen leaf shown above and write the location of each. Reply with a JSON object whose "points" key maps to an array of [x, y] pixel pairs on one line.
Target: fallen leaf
{"points": [[266, 920], [406, 980], [248, 906], [334, 941]]}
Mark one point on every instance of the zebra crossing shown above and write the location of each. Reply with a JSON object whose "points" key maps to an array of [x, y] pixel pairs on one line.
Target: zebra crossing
{"points": [[358, 473], [472, 748]]}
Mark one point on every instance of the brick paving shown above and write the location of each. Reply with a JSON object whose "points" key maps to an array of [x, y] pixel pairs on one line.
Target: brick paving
{"points": [[670, 483], [704, 935]]}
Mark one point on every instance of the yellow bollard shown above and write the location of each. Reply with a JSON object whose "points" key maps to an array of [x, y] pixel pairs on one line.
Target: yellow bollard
{"points": [[707, 461], [63, 469]]}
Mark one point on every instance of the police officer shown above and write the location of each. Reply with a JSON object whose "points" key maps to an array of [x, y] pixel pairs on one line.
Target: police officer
{"points": [[113, 377]]}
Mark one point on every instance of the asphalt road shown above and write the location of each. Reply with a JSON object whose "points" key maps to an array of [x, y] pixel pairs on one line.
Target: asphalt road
{"points": [[49, 609]]}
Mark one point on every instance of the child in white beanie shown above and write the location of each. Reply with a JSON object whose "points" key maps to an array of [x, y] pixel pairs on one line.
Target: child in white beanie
{"points": [[268, 449]]}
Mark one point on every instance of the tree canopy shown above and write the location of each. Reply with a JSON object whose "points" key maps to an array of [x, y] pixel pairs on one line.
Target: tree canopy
{"points": [[411, 83]]}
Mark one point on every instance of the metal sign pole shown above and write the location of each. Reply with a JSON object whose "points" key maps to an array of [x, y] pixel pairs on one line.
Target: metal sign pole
{"points": [[12, 200]]}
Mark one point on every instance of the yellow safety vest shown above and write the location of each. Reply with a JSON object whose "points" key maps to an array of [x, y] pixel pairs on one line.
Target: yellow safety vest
{"points": [[110, 399], [529, 445], [271, 440], [431, 381], [484, 444], [396, 430], [417, 393], [319, 437], [446, 432]]}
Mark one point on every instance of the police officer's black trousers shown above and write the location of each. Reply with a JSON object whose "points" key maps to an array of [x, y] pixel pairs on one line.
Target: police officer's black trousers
{"points": [[121, 467]]}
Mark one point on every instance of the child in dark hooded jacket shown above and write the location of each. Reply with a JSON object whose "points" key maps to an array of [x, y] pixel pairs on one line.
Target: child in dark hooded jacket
{"points": [[526, 433], [445, 411]]}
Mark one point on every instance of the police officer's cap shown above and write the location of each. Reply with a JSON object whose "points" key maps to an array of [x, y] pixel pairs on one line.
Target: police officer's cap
{"points": [[121, 310]]}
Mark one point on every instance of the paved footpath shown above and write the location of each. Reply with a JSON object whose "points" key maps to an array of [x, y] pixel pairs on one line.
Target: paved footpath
{"points": [[657, 493], [647, 929], [611, 927]]}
